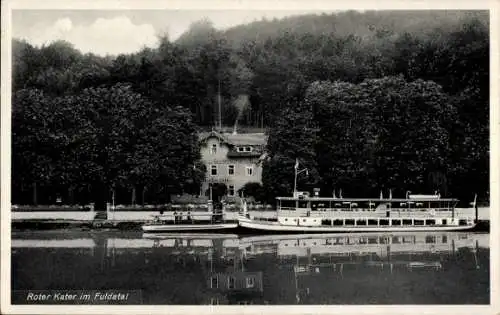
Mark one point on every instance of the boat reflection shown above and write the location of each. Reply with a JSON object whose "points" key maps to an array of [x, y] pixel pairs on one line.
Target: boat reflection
{"points": [[274, 269]]}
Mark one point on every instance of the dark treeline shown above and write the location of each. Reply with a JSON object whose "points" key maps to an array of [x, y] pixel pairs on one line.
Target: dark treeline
{"points": [[366, 101]]}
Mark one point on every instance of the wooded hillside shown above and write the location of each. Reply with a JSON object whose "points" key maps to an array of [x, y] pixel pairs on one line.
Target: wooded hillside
{"points": [[388, 99]]}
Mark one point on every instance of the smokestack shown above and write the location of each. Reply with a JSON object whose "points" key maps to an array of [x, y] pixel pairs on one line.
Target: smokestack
{"points": [[240, 104]]}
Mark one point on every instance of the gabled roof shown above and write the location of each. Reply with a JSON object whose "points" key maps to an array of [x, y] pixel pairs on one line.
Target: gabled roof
{"points": [[235, 139], [204, 136]]}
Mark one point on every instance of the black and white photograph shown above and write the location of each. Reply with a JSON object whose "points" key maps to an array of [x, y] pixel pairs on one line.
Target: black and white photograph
{"points": [[226, 157]]}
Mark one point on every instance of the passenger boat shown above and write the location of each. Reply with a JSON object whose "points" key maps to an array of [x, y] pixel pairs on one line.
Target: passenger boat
{"points": [[305, 214], [190, 220]]}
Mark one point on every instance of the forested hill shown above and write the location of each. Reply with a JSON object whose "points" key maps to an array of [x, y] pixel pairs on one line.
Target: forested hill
{"points": [[362, 24], [377, 76]]}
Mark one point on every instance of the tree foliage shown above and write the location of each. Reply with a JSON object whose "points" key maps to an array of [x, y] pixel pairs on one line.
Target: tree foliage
{"points": [[368, 100]]}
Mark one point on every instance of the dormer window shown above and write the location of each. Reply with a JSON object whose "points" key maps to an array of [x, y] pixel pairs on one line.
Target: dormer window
{"points": [[214, 149], [244, 149]]}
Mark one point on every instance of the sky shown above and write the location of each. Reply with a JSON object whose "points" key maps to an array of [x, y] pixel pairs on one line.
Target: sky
{"points": [[113, 32]]}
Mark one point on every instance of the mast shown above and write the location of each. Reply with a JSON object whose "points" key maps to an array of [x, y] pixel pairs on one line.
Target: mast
{"points": [[218, 100]]}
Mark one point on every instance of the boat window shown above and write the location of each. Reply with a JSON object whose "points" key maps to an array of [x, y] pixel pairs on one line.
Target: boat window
{"points": [[430, 239], [287, 204], [303, 220], [372, 240], [326, 222], [430, 222], [418, 222], [360, 222], [383, 240], [444, 240], [315, 205], [349, 222], [444, 221], [407, 222], [303, 204], [408, 239], [396, 240], [384, 222], [372, 222], [338, 222], [396, 222]]}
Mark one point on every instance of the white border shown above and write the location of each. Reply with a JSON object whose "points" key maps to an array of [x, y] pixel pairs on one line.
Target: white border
{"points": [[309, 5]]}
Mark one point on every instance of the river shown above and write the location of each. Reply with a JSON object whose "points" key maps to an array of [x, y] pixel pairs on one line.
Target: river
{"points": [[199, 269]]}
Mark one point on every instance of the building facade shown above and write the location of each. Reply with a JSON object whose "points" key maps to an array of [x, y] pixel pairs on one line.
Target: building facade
{"points": [[232, 159]]}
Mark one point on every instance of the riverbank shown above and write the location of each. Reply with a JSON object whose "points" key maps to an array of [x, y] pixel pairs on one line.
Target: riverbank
{"points": [[20, 225]]}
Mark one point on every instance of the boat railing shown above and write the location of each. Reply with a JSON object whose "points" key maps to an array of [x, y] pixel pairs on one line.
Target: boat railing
{"points": [[366, 209]]}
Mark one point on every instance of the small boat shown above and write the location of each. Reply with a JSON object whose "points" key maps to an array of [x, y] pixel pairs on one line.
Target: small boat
{"points": [[313, 214], [190, 220]]}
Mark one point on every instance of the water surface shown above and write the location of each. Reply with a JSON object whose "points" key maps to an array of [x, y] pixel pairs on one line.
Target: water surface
{"points": [[394, 268]]}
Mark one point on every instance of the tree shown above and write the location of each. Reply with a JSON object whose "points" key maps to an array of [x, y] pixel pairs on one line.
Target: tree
{"points": [[412, 144], [253, 189], [293, 138], [344, 149]]}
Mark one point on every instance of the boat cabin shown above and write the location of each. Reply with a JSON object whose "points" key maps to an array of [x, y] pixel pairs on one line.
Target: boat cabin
{"points": [[414, 210], [302, 201]]}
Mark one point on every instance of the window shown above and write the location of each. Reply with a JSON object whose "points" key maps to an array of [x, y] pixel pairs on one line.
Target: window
{"points": [[230, 191], [250, 282], [396, 222], [249, 170], [430, 239], [248, 149], [230, 282], [230, 170], [338, 222], [213, 170], [240, 149], [215, 282], [214, 149]]}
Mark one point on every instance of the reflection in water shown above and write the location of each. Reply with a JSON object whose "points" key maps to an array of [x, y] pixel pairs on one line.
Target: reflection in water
{"points": [[396, 268]]}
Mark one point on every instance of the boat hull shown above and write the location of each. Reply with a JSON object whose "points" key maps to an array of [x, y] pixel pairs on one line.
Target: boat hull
{"points": [[276, 227], [187, 227]]}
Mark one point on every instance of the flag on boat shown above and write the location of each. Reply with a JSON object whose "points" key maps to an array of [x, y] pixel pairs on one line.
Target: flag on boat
{"points": [[296, 164]]}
